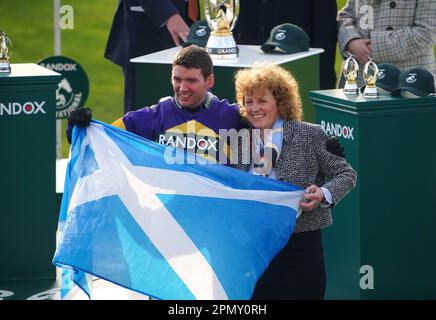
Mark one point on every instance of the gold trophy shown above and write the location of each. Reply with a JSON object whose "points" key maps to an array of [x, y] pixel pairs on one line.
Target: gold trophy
{"points": [[351, 71], [221, 15], [370, 74], [5, 53]]}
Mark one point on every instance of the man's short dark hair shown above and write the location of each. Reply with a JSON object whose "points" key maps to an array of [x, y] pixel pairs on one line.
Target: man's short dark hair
{"points": [[194, 57]]}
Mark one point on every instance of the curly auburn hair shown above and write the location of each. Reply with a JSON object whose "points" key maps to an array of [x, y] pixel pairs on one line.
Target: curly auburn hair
{"points": [[278, 81]]}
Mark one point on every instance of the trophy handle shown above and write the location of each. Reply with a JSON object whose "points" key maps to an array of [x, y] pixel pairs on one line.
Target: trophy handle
{"points": [[236, 7], [9, 49]]}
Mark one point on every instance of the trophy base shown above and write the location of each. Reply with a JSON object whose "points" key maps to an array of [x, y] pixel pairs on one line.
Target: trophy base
{"points": [[370, 93], [351, 89], [222, 47], [5, 67]]}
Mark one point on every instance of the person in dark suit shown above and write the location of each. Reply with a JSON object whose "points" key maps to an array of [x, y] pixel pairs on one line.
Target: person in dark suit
{"points": [[269, 99], [316, 17], [141, 27]]}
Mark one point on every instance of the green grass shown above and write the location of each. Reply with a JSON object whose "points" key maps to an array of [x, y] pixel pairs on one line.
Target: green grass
{"points": [[29, 24]]}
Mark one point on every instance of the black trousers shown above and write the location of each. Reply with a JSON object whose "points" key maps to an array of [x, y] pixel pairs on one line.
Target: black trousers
{"points": [[297, 272]]}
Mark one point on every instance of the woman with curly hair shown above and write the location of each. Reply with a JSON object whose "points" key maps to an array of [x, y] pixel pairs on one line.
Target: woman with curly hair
{"points": [[269, 99]]}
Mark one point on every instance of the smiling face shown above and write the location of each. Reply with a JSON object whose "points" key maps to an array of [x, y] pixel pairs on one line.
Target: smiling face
{"points": [[190, 86], [261, 108]]}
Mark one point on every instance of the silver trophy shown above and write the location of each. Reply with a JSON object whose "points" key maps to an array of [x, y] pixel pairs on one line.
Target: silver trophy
{"points": [[5, 53], [370, 75], [221, 16], [351, 71]]}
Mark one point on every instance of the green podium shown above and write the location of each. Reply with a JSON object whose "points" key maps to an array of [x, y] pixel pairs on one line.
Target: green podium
{"points": [[28, 216], [382, 242], [153, 74]]}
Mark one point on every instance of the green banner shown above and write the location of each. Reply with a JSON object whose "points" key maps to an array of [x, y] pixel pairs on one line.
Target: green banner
{"points": [[73, 89]]}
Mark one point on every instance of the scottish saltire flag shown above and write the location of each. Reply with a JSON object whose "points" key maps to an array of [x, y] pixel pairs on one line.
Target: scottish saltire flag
{"points": [[132, 216]]}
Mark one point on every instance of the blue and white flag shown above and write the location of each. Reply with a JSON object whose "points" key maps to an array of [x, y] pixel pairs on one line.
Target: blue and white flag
{"points": [[132, 216]]}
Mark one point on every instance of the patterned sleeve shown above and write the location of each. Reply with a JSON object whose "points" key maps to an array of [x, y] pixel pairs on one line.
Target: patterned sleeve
{"points": [[407, 42], [347, 28], [341, 177]]}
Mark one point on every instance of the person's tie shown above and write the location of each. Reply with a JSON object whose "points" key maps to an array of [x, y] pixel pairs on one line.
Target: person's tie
{"points": [[193, 9]]}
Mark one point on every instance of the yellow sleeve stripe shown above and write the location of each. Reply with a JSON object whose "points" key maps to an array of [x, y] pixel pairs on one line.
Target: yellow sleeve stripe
{"points": [[119, 124]]}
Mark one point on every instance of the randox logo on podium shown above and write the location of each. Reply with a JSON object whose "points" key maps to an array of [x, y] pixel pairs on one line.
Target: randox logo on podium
{"points": [[338, 130], [16, 108], [73, 89]]}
